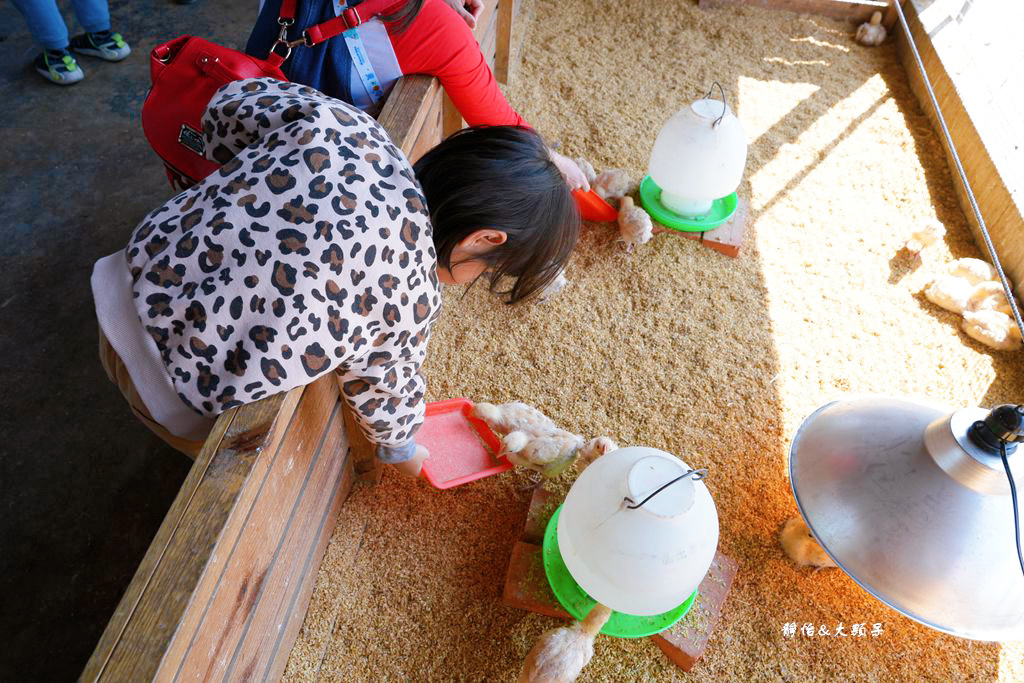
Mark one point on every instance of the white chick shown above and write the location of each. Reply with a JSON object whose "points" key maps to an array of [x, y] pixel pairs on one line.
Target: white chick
{"points": [[989, 296], [925, 236], [974, 270], [635, 226], [515, 416], [993, 328], [560, 654], [554, 287], [949, 291], [871, 32], [594, 449], [612, 184], [549, 454], [801, 547], [587, 168]]}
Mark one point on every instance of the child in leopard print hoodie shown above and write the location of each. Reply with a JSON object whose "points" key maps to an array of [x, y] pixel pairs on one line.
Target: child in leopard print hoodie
{"points": [[317, 248]]}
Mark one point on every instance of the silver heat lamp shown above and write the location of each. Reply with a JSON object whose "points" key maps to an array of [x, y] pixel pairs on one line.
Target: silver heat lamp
{"points": [[913, 502]]}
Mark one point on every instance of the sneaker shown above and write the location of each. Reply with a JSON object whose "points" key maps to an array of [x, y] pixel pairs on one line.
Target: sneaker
{"points": [[58, 66], [103, 44]]}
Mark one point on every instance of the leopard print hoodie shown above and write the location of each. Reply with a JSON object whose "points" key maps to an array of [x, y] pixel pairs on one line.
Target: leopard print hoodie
{"points": [[309, 252]]}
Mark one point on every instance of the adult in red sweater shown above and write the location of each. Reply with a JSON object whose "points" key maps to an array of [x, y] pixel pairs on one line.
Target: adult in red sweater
{"points": [[406, 37]]}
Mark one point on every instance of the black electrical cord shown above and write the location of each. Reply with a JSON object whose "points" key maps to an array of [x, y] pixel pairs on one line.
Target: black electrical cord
{"points": [[1013, 496]]}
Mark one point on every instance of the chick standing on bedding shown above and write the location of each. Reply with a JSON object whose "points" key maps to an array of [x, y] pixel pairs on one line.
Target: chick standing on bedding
{"points": [[801, 547], [530, 438], [925, 236], [612, 184], [560, 654], [635, 226], [512, 417], [872, 32], [989, 296], [549, 454]]}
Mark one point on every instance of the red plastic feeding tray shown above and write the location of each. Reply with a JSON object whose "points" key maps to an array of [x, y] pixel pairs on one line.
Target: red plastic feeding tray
{"points": [[462, 448], [593, 208]]}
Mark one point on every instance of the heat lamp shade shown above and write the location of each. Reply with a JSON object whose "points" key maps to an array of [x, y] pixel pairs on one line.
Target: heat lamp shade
{"points": [[644, 561], [696, 160], [920, 521]]}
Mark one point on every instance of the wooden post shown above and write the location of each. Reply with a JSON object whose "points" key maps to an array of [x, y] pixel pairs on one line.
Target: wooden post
{"points": [[503, 40]]}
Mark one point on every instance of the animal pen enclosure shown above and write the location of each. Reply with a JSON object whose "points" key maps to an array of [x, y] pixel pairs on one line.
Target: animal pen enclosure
{"points": [[223, 591]]}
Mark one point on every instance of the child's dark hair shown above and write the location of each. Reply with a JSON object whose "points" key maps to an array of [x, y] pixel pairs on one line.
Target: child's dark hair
{"points": [[501, 177]]}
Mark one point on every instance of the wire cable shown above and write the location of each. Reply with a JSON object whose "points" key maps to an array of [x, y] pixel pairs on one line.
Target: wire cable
{"points": [[1013, 496]]}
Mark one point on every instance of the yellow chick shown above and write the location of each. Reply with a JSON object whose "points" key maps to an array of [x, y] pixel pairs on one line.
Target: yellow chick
{"points": [[993, 328], [549, 454], [554, 287], [635, 226], [974, 270], [872, 32], [950, 292], [587, 168], [801, 547], [925, 236], [594, 449], [560, 654], [989, 296], [612, 184]]}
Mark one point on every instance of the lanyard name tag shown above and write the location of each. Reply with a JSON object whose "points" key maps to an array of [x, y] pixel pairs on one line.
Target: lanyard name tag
{"points": [[362, 64]]}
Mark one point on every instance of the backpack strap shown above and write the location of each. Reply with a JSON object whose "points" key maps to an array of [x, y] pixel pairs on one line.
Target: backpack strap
{"points": [[349, 18]]}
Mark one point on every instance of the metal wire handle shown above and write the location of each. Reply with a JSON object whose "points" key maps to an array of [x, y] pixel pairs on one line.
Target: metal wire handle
{"points": [[725, 106], [697, 476]]}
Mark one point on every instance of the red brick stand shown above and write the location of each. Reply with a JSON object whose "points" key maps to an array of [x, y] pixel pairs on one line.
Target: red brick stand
{"points": [[725, 239], [526, 587]]}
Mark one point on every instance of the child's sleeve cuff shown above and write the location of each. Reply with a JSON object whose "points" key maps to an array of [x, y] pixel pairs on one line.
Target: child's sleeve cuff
{"points": [[392, 454]]}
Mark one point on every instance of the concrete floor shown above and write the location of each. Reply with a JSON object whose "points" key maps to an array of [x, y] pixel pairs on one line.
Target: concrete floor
{"points": [[83, 486]]}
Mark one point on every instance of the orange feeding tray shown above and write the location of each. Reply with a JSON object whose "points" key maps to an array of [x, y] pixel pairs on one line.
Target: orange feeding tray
{"points": [[462, 448], [593, 208]]}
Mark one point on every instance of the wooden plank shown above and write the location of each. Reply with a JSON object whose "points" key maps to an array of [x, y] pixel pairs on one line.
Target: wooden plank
{"points": [[295, 612], [853, 10], [275, 550], [995, 183], [404, 114], [431, 132], [503, 43], [154, 603], [237, 581]]}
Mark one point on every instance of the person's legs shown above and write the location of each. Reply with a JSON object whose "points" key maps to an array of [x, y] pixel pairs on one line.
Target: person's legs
{"points": [[98, 40], [47, 26], [44, 22], [93, 15]]}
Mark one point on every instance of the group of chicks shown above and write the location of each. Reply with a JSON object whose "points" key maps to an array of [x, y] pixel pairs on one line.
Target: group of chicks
{"points": [[531, 439], [970, 287], [615, 185]]}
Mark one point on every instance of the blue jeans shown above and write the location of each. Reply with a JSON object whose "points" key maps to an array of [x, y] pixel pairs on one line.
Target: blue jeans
{"points": [[47, 25]]}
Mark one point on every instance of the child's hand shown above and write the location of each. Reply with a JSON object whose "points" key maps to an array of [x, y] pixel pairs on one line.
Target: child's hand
{"points": [[572, 173], [414, 465], [469, 10]]}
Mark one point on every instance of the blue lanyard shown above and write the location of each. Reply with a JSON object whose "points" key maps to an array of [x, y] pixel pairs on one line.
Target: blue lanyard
{"points": [[361, 61]]}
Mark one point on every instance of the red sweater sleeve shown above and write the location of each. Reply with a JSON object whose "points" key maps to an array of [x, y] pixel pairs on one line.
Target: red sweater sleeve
{"points": [[439, 43]]}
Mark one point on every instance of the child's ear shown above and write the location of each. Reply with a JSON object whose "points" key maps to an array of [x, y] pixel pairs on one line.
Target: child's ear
{"points": [[485, 239]]}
